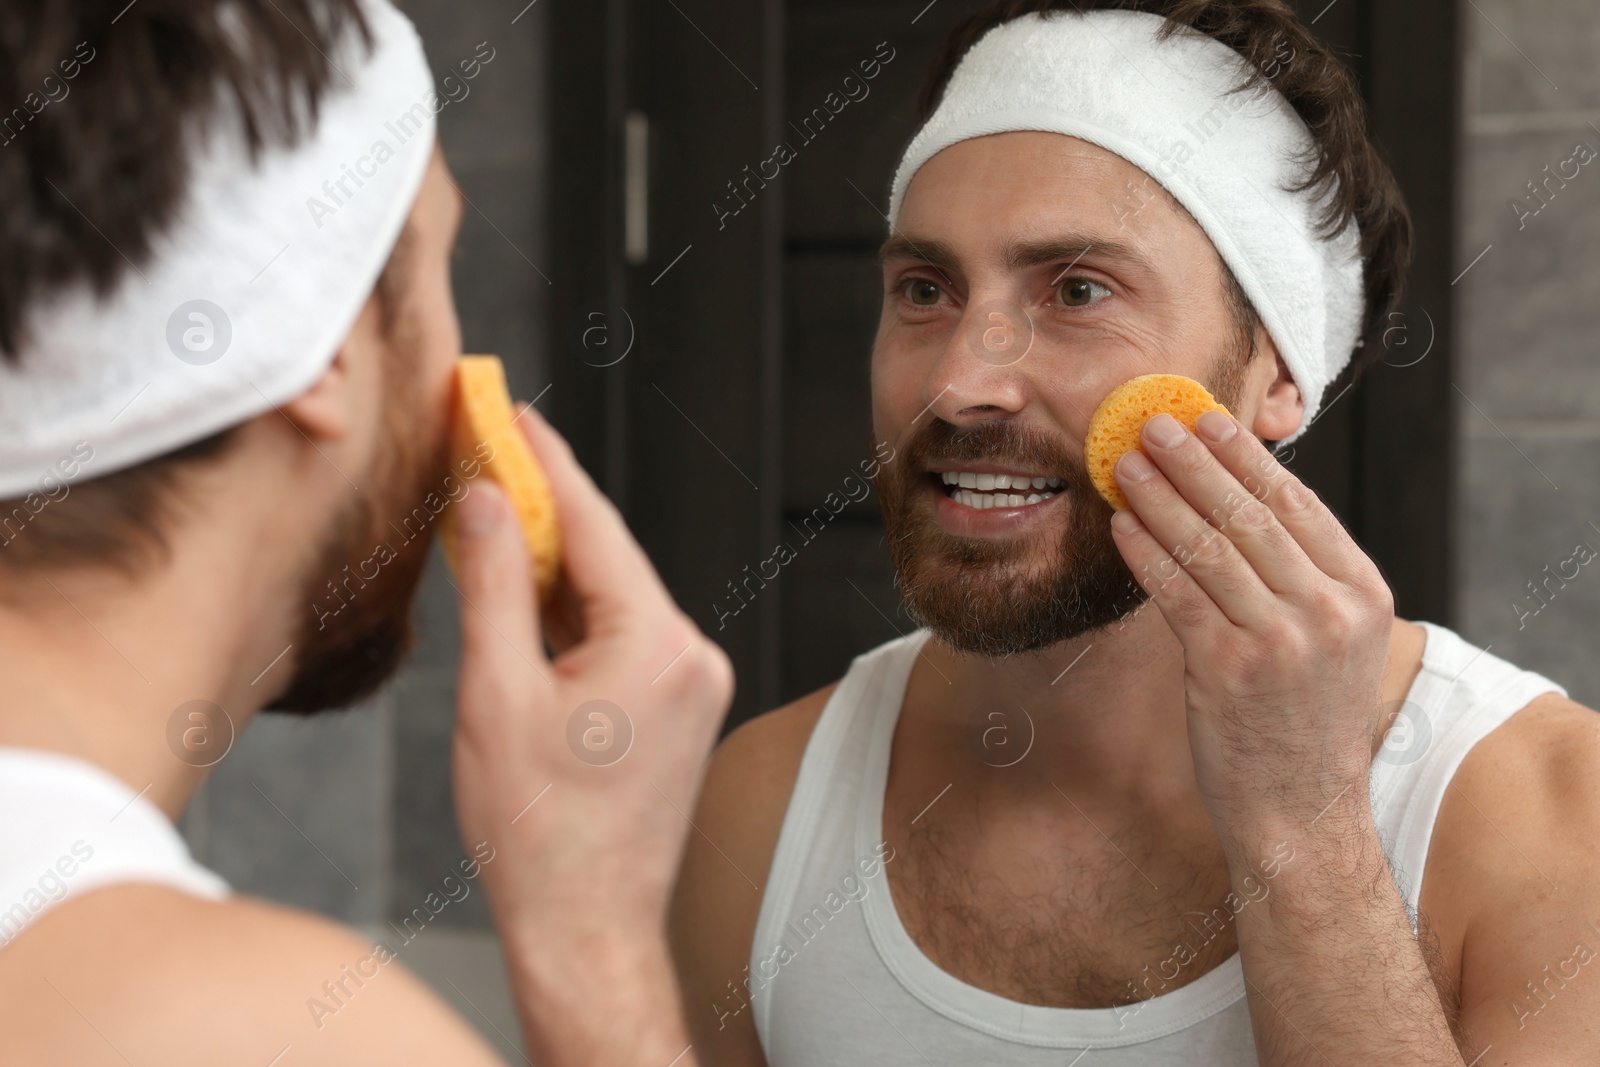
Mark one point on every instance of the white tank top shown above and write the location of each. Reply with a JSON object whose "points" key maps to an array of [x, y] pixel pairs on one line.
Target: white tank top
{"points": [[834, 977], [67, 826]]}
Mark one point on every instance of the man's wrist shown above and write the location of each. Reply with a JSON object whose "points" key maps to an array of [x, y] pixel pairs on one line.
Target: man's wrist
{"points": [[597, 995], [1339, 809], [1311, 869]]}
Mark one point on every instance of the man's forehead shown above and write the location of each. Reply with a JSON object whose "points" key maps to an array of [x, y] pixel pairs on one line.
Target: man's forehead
{"points": [[1044, 154]]}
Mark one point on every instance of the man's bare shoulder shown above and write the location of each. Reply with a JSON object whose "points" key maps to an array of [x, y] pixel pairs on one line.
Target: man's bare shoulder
{"points": [[1514, 847], [747, 788], [147, 974], [725, 869], [752, 774], [1527, 786], [762, 757]]}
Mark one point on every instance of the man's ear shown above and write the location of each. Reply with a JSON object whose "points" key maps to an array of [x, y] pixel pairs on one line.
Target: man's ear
{"points": [[1282, 407], [327, 410]]}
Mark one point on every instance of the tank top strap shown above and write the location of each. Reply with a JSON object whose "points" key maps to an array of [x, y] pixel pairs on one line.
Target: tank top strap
{"points": [[1461, 694], [67, 826], [827, 789]]}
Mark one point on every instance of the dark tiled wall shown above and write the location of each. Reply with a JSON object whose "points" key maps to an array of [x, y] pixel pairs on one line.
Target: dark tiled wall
{"points": [[1529, 337]]}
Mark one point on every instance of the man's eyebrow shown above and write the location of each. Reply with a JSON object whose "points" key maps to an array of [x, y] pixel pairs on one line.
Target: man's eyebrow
{"points": [[1071, 248], [936, 254], [1018, 255]]}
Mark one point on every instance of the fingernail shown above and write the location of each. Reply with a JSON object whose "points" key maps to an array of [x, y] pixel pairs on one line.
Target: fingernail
{"points": [[1133, 467], [1216, 427], [1164, 431], [481, 510], [1125, 521]]}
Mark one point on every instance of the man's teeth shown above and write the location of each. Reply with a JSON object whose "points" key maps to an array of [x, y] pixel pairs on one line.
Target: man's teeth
{"points": [[997, 500], [963, 483], [969, 480]]}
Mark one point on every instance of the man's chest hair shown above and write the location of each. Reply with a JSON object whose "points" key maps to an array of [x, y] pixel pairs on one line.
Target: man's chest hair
{"points": [[1064, 923]]}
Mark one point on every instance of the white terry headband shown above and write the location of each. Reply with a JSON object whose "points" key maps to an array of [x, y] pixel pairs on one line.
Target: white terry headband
{"points": [[246, 299], [1165, 107]]}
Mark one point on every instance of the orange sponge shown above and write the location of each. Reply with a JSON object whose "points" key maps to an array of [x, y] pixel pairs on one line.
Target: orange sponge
{"points": [[1117, 422], [483, 435]]}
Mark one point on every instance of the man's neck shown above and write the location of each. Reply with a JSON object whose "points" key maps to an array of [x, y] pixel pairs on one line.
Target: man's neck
{"points": [[1102, 715], [96, 666], [1102, 711]]}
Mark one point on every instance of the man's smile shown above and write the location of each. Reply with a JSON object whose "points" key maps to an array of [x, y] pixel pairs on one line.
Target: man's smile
{"points": [[979, 499]]}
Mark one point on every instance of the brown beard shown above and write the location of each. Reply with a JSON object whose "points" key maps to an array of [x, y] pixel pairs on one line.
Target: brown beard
{"points": [[983, 596], [356, 629]]}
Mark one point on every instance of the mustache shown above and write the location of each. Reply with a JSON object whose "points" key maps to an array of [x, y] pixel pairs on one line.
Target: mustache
{"points": [[997, 441]]}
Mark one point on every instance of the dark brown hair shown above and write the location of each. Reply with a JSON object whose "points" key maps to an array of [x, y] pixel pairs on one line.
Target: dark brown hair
{"points": [[1320, 88], [91, 178]]}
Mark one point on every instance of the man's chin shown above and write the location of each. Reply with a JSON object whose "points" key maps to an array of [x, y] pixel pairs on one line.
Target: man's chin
{"points": [[1005, 597], [346, 671], [996, 627], [355, 632]]}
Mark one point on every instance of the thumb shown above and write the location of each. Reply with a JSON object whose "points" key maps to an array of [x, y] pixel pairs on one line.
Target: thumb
{"points": [[501, 650]]}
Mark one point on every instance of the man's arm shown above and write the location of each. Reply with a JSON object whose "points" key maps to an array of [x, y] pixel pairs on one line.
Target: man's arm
{"points": [[1334, 971], [1285, 626], [725, 871], [1520, 831]]}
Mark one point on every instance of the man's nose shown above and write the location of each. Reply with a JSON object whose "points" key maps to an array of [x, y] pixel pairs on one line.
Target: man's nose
{"points": [[982, 368]]}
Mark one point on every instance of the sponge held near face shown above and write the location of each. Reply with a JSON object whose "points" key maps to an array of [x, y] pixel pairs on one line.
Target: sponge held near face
{"points": [[483, 430], [1116, 425]]}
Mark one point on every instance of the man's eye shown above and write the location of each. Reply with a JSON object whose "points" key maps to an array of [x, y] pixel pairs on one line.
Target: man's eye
{"points": [[1080, 292], [922, 292]]}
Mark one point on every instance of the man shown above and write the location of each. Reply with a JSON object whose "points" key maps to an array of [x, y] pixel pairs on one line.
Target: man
{"points": [[1157, 788], [226, 338]]}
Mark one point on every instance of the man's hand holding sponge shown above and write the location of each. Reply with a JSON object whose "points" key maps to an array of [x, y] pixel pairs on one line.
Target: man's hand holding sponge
{"points": [[583, 854]]}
